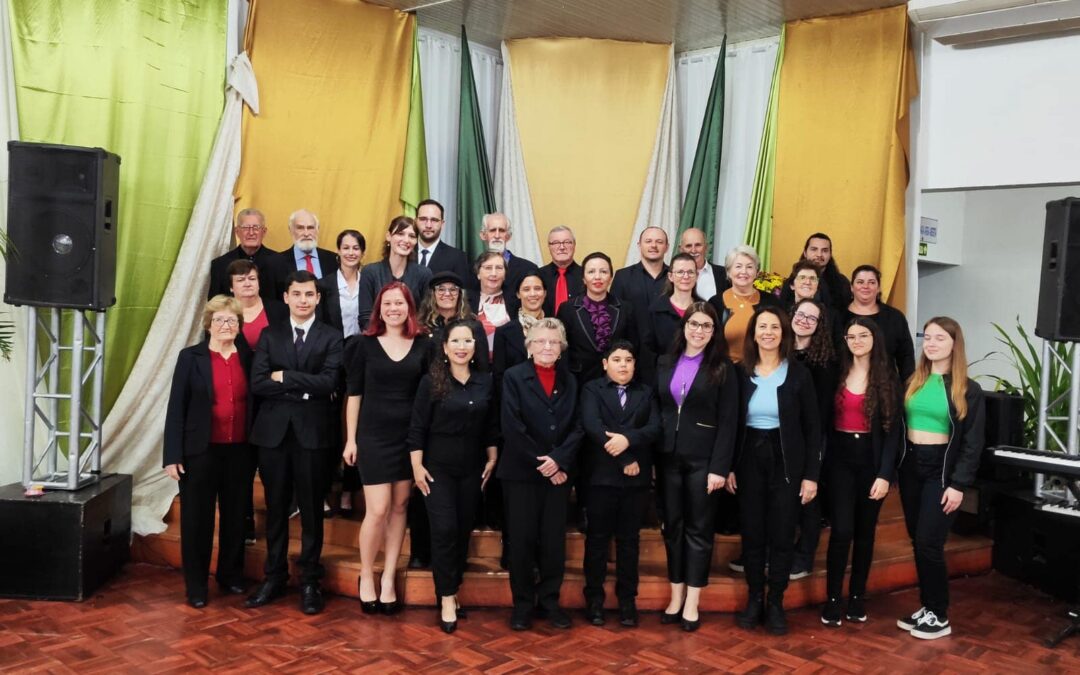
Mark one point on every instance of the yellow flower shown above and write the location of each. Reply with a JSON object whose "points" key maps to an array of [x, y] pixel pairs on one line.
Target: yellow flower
{"points": [[768, 282]]}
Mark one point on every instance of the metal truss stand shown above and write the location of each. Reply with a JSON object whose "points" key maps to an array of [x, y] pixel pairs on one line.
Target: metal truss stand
{"points": [[71, 458], [1059, 489]]}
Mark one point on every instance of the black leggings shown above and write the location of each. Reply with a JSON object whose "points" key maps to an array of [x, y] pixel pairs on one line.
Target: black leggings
{"points": [[854, 515], [922, 485]]}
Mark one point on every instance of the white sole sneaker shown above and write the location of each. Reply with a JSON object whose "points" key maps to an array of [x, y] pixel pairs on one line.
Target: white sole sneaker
{"points": [[931, 635]]}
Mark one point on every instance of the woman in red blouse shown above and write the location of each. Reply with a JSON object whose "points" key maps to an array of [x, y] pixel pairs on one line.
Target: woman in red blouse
{"points": [[258, 313], [206, 450]]}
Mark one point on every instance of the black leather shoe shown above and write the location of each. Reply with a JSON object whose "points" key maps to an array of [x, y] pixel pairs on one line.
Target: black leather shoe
{"points": [[520, 621], [197, 601], [750, 618], [691, 626], [462, 613], [668, 619], [267, 592], [558, 618], [628, 615], [390, 608], [311, 599], [594, 613], [232, 589], [448, 626], [775, 619], [418, 562]]}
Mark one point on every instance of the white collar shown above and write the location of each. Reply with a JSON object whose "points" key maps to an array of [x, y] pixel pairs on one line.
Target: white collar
{"points": [[306, 326]]}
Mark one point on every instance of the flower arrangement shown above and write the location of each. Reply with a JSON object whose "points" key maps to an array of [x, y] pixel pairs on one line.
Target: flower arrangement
{"points": [[769, 282]]}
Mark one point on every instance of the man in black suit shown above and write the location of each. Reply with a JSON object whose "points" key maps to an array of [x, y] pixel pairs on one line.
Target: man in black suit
{"points": [[431, 252], [712, 279], [295, 374], [562, 276], [250, 230], [495, 232], [644, 281], [305, 253]]}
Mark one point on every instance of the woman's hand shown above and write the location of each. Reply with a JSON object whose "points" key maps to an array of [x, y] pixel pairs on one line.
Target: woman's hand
{"points": [[808, 491], [349, 454], [879, 489], [631, 469], [489, 468], [951, 499], [421, 477], [174, 470], [616, 444], [731, 486], [559, 478], [715, 483], [547, 467]]}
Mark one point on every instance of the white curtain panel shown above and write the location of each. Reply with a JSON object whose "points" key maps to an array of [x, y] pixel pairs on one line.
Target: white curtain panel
{"points": [[440, 79], [661, 199], [511, 182], [135, 427], [747, 78]]}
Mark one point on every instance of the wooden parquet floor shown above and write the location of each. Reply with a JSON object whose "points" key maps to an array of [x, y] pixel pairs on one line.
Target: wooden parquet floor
{"points": [[138, 623]]}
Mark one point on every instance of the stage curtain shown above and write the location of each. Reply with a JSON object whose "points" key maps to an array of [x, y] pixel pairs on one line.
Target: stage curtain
{"points": [[759, 218], [842, 140], [144, 80], [414, 175], [475, 195], [587, 113], [334, 84]]}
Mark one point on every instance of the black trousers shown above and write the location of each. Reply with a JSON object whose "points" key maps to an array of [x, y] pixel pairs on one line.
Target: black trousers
{"points": [[416, 517], [451, 510], [216, 476], [768, 508], [536, 513], [289, 470], [928, 526], [689, 519], [613, 512], [854, 514]]}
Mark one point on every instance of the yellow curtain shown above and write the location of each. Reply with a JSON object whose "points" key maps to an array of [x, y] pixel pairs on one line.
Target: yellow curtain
{"points": [[334, 99], [842, 141], [587, 112]]}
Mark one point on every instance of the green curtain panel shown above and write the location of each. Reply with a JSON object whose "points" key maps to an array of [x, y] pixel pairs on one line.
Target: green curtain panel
{"points": [[699, 207], [414, 172], [759, 221], [475, 196], [144, 79]]}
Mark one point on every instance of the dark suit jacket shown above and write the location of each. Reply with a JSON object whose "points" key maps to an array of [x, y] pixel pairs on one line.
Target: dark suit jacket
{"points": [[516, 270], [705, 426], [329, 310], [583, 355], [639, 421], [509, 349], [266, 260], [328, 261], [720, 274], [446, 258], [637, 286], [191, 399], [303, 398], [575, 284], [534, 425]]}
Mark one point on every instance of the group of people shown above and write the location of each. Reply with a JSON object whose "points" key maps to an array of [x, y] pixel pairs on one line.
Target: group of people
{"points": [[444, 383]]}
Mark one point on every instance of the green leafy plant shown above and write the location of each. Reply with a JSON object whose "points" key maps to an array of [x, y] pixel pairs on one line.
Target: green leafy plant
{"points": [[1026, 359]]}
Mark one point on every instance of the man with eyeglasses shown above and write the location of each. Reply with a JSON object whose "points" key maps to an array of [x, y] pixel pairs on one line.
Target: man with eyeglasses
{"points": [[563, 277], [431, 251], [250, 230], [712, 279]]}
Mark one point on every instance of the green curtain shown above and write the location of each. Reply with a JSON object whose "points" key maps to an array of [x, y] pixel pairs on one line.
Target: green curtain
{"points": [[699, 207], [475, 196], [144, 79], [759, 221], [414, 172]]}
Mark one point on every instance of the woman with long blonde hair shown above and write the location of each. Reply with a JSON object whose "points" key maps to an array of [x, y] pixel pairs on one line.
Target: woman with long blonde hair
{"points": [[944, 411]]}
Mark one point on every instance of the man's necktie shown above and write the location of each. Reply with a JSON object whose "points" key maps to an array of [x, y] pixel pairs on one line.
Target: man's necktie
{"points": [[423, 257], [561, 293], [307, 263], [299, 342], [622, 394]]}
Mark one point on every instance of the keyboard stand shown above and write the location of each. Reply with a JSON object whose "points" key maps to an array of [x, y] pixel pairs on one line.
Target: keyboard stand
{"points": [[1072, 629]]}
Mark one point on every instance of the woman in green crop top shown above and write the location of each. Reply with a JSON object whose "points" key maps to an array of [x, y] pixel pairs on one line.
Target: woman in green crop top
{"points": [[943, 409]]}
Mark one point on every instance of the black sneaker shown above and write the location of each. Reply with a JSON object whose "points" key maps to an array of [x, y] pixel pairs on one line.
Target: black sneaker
{"points": [[799, 571], [830, 613], [930, 627], [856, 610], [775, 618], [909, 622], [736, 565]]}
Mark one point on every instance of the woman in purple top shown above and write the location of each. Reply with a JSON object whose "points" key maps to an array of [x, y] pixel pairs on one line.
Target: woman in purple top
{"points": [[699, 399]]}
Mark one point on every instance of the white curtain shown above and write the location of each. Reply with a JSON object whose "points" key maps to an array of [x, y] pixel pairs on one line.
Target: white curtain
{"points": [[440, 77], [662, 197], [747, 78], [135, 426], [511, 182]]}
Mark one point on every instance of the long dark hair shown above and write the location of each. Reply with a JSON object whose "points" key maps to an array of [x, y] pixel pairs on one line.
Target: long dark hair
{"points": [[882, 383], [820, 352], [716, 360], [750, 355], [440, 365]]}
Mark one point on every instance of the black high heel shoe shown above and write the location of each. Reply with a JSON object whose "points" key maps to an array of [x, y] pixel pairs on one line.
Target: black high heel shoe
{"points": [[459, 610], [367, 607]]}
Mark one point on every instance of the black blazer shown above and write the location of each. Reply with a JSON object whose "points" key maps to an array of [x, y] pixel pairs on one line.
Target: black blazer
{"points": [[720, 274], [266, 260], [583, 355], [509, 349], [328, 263], [534, 425], [800, 423], [303, 398], [575, 284], [329, 309], [191, 399], [638, 287], [706, 425], [639, 421], [446, 258]]}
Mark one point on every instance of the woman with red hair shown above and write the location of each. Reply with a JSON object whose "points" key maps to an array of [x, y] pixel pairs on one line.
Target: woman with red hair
{"points": [[383, 376]]}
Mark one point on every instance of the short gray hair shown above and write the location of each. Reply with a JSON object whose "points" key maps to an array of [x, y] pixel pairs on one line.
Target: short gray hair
{"points": [[741, 249], [296, 214], [251, 212], [484, 221], [547, 323], [562, 228]]}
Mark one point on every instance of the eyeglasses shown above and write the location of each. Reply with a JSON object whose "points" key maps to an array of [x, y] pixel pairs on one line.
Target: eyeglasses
{"points": [[561, 244], [805, 318], [703, 327], [447, 290], [250, 228], [231, 322], [858, 337], [806, 277], [546, 343], [684, 273]]}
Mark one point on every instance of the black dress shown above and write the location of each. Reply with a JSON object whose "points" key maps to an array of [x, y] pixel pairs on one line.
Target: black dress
{"points": [[388, 388]]}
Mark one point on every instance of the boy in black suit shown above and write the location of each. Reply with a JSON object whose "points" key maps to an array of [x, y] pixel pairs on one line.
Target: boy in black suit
{"points": [[622, 422], [295, 374]]}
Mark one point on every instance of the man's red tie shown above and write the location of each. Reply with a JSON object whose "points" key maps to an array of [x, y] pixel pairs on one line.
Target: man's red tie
{"points": [[307, 263], [561, 293]]}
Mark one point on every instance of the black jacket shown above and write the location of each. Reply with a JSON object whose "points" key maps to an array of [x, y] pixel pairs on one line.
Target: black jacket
{"points": [[446, 258], [534, 425], [455, 432], [302, 399], [706, 424], [265, 260], [825, 386], [583, 355], [800, 423], [509, 349], [377, 275], [636, 286], [191, 399], [886, 445], [639, 421], [720, 274], [967, 438], [286, 265], [894, 326], [575, 284]]}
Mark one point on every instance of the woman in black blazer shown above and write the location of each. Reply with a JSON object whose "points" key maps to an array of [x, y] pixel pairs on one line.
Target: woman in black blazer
{"points": [[664, 316], [540, 441], [777, 461], [699, 398], [510, 338], [206, 449]]}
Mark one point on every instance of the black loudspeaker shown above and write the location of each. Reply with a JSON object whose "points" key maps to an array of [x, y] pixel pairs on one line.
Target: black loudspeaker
{"points": [[1037, 547], [64, 545], [62, 219], [1059, 288]]}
